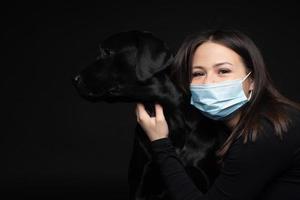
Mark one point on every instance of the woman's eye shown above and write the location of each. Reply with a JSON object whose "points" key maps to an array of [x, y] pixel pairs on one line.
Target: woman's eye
{"points": [[197, 74], [224, 71]]}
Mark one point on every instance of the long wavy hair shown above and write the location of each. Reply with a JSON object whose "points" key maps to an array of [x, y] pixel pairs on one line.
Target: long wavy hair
{"points": [[266, 100]]}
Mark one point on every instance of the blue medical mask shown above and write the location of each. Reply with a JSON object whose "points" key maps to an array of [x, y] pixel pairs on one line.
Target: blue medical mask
{"points": [[218, 100]]}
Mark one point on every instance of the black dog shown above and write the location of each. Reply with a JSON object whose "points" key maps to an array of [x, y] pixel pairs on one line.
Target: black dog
{"points": [[135, 66]]}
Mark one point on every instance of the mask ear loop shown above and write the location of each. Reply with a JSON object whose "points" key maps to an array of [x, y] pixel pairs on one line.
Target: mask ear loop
{"points": [[246, 76], [251, 90], [250, 95]]}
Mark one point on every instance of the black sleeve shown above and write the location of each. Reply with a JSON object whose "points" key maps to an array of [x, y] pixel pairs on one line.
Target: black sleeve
{"points": [[247, 168], [178, 183]]}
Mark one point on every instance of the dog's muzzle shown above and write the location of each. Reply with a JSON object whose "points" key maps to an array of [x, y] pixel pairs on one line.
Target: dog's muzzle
{"points": [[107, 93]]}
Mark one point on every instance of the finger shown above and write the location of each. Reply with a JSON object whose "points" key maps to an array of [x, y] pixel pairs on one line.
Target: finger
{"points": [[159, 112], [142, 112]]}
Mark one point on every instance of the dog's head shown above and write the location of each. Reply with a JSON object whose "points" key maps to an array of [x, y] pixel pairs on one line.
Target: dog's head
{"points": [[127, 69]]}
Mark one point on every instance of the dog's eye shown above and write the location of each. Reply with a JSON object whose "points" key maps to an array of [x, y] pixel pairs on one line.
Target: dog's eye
{"points": [[105, 52]]}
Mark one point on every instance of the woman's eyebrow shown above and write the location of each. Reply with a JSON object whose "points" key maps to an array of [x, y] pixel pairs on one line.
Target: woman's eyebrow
{"points": [[200, 67], [222, 63], [215, 65]]}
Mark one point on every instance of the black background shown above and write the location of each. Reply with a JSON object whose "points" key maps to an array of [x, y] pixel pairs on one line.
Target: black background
{"points": [[55, 144]]}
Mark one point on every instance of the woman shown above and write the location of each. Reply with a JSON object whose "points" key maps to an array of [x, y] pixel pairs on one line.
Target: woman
{"points": [[224, 72]]}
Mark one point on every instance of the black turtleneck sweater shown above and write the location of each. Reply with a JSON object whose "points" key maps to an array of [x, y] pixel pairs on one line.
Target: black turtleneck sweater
{"points": [[268, 168]]}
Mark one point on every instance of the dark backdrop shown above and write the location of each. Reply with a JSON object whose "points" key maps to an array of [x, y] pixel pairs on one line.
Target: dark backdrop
{"points": [[55, 144]]}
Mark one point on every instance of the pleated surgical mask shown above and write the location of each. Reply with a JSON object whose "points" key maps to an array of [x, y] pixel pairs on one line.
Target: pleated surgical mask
{"points": [[219, 100]]}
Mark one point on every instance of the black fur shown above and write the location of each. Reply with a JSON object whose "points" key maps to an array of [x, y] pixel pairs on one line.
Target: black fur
{"points": [[134, 66]]}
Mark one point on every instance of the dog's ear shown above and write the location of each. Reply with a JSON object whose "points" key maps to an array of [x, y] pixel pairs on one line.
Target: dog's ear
{"points": [[153, 56]]}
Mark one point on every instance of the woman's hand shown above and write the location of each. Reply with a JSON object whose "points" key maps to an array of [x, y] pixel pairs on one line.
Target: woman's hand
{"points": [[155, 127]]}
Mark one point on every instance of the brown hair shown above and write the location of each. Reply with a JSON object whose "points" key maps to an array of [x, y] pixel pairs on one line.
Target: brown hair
{"points": [[265, 100]]}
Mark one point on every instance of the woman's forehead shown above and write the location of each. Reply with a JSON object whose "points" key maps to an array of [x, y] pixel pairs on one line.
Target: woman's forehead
{"points": [[210, 54]]}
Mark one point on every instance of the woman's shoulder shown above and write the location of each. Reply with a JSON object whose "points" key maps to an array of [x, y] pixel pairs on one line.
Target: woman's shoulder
{"points": [[268, 143], [293, 113], [287, 113], [268, 130], [290, 136], [294, 126]]}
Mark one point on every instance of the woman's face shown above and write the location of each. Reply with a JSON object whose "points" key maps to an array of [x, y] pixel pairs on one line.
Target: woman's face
{"points": [[213, 63]]}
